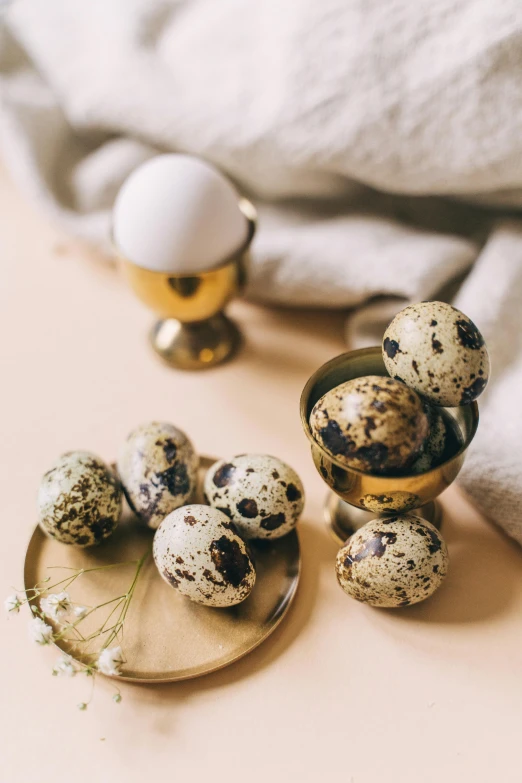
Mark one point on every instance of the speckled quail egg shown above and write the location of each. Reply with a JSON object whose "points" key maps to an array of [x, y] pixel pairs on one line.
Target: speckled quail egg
{"points": [[393, 561], [372, 423], [79, 500], [438, 351], [435, 443], [198, 551], [158, 469], [262, 495], [391, 502]]}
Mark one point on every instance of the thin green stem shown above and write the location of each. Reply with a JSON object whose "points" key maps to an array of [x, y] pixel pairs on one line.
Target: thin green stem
{"points": [[96, 568], [72, 626], [37, 590], [119, 623], [110, 628]]}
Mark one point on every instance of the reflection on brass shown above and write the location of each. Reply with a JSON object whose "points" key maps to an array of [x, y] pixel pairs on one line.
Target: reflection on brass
{"points": [[185, 286], [167, 637], [391, 502], [363, 490], [204, 337], [343, 520]]}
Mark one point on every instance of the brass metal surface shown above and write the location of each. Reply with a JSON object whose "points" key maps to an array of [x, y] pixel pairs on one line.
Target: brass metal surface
{"points": [[188, 299], [373, 493], [192, 332], [343, 520], [166, 636], [196, 346]]}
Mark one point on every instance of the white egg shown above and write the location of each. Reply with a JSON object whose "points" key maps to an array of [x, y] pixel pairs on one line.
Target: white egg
{"points": [[198, 551], [178, 214]]}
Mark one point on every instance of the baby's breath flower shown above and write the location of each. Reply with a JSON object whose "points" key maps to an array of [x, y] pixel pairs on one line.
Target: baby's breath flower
{"points": [[64, 667], [110, 661], [39, 631], [56, 609], [12, 604], [56, 605]]}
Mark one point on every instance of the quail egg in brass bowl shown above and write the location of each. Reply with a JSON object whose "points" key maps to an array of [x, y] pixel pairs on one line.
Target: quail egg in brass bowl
{"points": [[366, 492]]}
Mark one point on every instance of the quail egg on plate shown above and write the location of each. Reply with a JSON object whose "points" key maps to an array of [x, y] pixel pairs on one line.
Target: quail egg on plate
{"points": [[438, 351], [393, 561], [158, 469], [262, 495], [374, 424], [198, 551], [79, 500]]}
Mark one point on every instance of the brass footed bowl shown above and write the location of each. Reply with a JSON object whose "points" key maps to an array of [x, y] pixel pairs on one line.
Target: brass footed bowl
{"points": [[376, 495]]}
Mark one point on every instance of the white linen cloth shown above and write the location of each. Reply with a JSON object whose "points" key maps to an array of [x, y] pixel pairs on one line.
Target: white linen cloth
{"points": [[380, 140]]}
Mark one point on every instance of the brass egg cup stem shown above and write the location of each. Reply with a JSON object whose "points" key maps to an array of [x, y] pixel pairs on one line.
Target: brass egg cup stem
{"points": [[357, 497], [343, 520], [198, 345], [193, 332]]}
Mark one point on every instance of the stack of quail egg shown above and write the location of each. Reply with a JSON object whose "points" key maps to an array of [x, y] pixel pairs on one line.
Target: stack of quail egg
{"points": [[396, 425], [200, 550]]}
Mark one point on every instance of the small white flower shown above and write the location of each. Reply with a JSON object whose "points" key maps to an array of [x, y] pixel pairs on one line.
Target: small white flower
{"points": [[56, 605], [110, 661], [80, 612], [64, 667], [12, 603], [82, 706], [40, 632]]}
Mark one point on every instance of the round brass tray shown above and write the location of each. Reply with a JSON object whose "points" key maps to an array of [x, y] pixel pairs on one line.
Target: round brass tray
{"points": [[167, 637]]}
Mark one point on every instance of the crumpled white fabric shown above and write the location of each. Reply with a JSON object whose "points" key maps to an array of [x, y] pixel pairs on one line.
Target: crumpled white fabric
{"points": [[380, 140]]}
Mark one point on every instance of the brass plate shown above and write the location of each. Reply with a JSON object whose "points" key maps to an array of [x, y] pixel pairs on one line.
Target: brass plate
{"points": [[167, 637]]}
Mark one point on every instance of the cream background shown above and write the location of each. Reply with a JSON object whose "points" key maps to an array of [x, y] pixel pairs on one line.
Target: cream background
{"points": [[432, 693]]}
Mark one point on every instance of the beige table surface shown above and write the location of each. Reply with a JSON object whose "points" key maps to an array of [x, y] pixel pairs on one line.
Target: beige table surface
{"points": [[340, 691]]}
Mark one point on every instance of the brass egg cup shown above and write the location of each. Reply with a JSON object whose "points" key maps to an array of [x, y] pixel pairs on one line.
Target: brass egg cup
{"points": [[193, 332], [357, 497]]}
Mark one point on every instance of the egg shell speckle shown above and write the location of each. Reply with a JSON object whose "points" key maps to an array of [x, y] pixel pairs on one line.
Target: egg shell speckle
{"points": [[390, 502], [262, 495], [438, 351], [158, 469], [198, 551], [393, 561], [435, 443], [79, 500], [374, 424]]}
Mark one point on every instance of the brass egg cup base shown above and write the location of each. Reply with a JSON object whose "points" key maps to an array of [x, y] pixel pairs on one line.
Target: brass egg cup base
{"points": [[343, 519], [196, 346]]}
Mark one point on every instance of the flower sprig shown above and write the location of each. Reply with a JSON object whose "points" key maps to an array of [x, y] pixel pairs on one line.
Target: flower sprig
{"points": [[57, 619]]}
